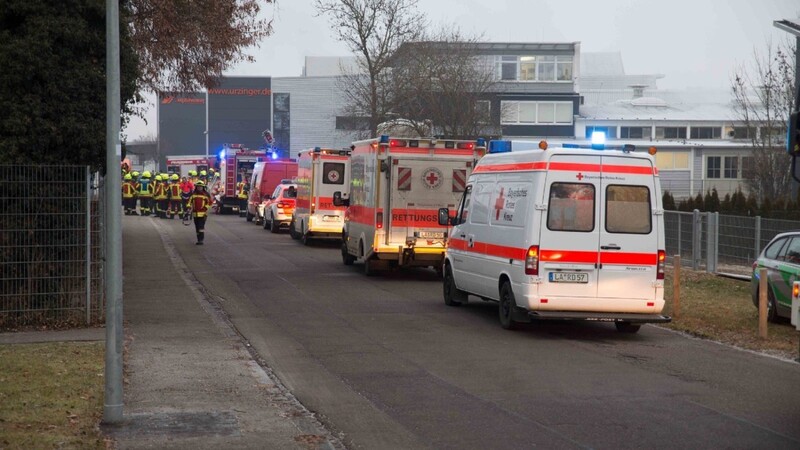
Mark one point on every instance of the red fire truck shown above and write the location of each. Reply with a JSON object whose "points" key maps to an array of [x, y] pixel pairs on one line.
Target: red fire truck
{"points": [[236, 164]]}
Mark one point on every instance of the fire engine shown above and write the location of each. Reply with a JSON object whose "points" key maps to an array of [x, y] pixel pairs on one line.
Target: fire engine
{"points": [[320, 173], [236, 164], [184, 163], [397, 186]]}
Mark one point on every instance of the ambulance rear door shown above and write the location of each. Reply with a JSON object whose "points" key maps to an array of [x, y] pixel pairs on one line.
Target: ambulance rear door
{"points": [[570, 229], [629, 241], [419, 187], [331, 173]]}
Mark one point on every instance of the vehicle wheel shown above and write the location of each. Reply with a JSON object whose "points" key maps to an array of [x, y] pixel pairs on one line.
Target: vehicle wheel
{"points": [[506, 307], [265, 224], [772, 307], [453, 296], [627, 327], [273, 225], [347, 258], [305, 238], [439, 271], [292, 231], [248, 216]]}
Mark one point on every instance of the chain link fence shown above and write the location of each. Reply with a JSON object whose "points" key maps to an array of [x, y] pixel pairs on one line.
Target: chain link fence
{"points": [[720, 243], [51, 246]]}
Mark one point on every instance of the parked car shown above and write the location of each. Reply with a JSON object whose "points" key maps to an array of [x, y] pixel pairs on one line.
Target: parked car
{"points": [[278, 210], [781, 258]]}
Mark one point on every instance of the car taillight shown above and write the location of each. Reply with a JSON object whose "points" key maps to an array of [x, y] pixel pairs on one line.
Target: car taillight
{"points": [[282, 205], [662, 263], [532, 260], [379, 220]]}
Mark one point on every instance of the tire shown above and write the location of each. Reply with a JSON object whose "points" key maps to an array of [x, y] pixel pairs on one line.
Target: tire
{"points": [[627, 327], [453, 296], [292, 231], [506, 308], [347, 258], [265, 224], [248, 216], [273, 225], [772, 307]]}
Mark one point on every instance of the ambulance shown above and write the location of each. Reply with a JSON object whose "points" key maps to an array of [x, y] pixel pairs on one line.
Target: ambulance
{"points": [[560, 234], [396, 189], [320, 173]]}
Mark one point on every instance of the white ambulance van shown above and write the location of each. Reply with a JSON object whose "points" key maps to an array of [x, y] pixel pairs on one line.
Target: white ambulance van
{"points": [[560, 234], [396, 189], [320, 172]]}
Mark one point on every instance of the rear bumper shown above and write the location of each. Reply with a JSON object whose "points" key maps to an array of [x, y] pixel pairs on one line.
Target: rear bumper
{"points": [[599, 317], [411, 256]]}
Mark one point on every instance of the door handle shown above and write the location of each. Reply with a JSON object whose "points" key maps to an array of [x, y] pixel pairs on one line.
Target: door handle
{"points": [[463, 235], [610, 247]]}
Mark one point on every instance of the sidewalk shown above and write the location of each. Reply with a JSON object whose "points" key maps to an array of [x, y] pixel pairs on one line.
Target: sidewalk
{"points": [[191, 381]]}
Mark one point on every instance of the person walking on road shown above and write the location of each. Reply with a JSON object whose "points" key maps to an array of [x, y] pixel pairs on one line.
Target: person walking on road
{"points": [[174, 194], [242, 191], [145, 191], [198, 205], [129, 195], [160, 197]]}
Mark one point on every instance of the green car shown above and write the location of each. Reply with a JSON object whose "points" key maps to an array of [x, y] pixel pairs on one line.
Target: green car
{"points": [[781, 258]]}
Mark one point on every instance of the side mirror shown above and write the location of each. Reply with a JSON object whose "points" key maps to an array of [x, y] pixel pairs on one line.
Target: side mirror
{"points": [[340, 199], [444, 217]]}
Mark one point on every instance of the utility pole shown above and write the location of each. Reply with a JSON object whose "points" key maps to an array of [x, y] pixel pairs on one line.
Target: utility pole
{"points": [[112, 405]]}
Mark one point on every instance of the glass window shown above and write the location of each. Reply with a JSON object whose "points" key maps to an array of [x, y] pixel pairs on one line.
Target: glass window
{"points": [[509, 112], [628, 209], [527, 112], [731, 167], [792, 254], [290, 193], [463, 212], [547, 68], [508, 68], [774, 250], [706, 132], [743, 132], [332, 173], [611, 132], [634, 132], [713, 164], [527, 68], [564, 113], [547, 113], [564, 68], [672, 160], [670, 132], [571, 207]]}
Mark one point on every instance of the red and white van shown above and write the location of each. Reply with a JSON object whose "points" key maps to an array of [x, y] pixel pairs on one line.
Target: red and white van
{"points": [[266, 176], [320, 172], [396, 189], [562, 234]]}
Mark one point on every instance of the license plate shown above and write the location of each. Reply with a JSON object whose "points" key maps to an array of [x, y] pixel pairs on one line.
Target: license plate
{"points": [[569, 277], [431, 234], [330, 218]]}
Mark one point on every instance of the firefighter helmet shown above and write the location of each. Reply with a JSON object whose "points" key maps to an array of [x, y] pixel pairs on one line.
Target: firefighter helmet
{"points": [[146, 174], [192, 173], [135, 174], [128, 176], [174, 177], [203, 173], [200, 184]]}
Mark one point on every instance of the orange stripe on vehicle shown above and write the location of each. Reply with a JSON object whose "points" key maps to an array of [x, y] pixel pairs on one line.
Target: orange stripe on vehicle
{"points": [[632, 259], [513, 167], [568, 256], [604, 168]]}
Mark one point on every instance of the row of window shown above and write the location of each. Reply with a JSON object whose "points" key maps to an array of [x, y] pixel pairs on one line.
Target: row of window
{"points": [[529, 113], [533, 68], [640, 132], [729, 167]]}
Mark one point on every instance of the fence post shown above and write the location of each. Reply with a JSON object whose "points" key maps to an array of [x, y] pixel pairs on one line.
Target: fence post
{"points": [[716, 241], [679, 231], [758, 237], [696, 239], [710, 242], [88, 246], [676, 286]]}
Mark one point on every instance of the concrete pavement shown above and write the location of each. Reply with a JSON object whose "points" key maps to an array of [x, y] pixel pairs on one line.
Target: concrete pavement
{"points": [[191, 380]]}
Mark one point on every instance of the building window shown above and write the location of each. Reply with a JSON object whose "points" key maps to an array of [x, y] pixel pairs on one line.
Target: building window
{"points": [[743, 133], [731, 169], [722, 167], [527, 68], [672, 160], [670, 132], [534, 68], [547, 68], [611, 132], [713, 166], [529, 113], [706, 132], [508, 68], [564, 68], [634, 132]]}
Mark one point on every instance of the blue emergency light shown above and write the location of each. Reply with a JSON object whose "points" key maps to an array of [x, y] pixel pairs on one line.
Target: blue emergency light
{"points": [[499, 146], [221, 154], [480, 142], [598, 140], [384, 139]]}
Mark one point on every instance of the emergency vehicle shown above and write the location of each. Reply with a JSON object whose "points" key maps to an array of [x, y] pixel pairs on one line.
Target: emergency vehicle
{"points": [[266, 176], [560, 234], [182, 164], [320, 172], [396, 189], [236, 164]]}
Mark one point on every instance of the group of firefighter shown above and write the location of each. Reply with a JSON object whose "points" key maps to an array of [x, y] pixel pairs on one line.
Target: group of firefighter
{"points": [[163, 195]]}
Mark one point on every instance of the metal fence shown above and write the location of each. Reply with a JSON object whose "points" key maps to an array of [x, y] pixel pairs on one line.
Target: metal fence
{"points": [[51, 246], [720, 243]]}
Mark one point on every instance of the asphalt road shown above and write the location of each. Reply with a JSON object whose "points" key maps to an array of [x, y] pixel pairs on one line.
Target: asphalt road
{"points": [[386, 364]]}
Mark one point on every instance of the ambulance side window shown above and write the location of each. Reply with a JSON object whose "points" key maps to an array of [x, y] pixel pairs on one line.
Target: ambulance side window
{"points": [[571, 207], [463, 209], [628, 209]]}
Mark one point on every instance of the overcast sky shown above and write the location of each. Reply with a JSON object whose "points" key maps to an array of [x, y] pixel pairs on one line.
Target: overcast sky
{"points": [[693, 43]]}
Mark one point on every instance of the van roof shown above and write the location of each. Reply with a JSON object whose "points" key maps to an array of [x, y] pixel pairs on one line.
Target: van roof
{"points": [[537, 160]]}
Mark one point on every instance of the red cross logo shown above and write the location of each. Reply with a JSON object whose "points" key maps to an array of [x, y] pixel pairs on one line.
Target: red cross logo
{"points": [[499, 204], [432, 178], [579, 176]]}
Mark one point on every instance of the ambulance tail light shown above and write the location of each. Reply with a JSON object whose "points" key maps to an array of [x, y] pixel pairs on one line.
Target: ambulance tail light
{"points": [[532, 260], [379, 220], [662, 262], [397, 143], [796, 290], [466, 145]]}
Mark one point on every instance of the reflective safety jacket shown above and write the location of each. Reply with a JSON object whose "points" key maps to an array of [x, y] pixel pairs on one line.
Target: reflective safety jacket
{"points": [[199, 203], [128, 189], [160, 192], [187, 187], [240, 193], [174, 190], [145, 188]]}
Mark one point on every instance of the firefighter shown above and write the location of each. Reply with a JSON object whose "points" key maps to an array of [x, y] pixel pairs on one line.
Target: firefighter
{"points": [[204, 177], [174, 194], [129, 195], [160, 197], [242, 190], [193, 176], [199, 204], [145, 191]]}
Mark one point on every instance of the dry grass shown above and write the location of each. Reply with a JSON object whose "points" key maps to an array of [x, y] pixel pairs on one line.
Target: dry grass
{"points": [[51, 395], [722, 310]]}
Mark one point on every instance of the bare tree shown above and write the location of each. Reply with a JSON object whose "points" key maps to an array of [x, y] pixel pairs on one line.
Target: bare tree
{"points": [[373, 30], [186, 45], [443, 80], [763, 97]]}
